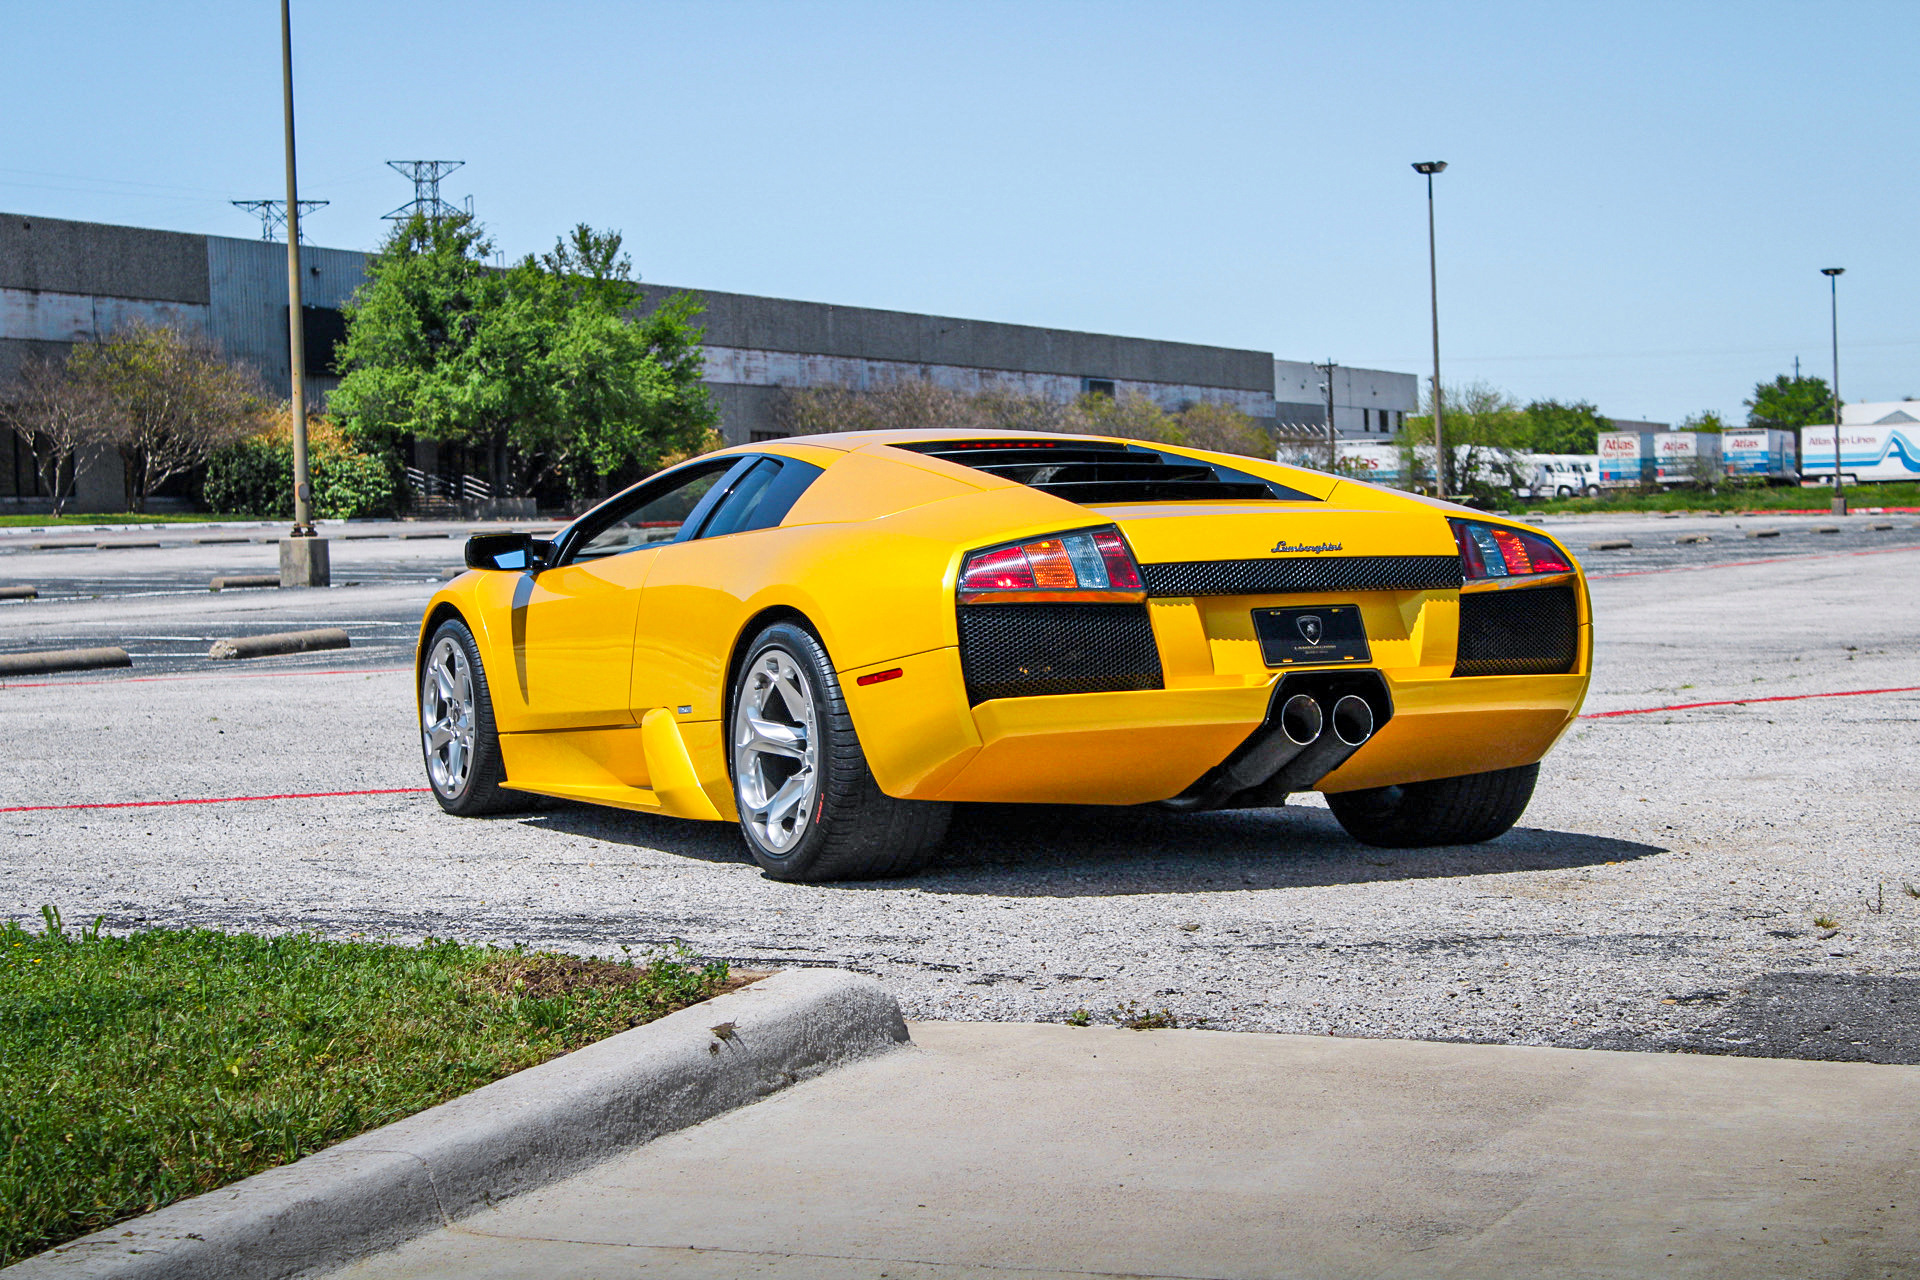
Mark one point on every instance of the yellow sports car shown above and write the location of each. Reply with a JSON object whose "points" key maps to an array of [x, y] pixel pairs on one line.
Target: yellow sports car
{"points": [[834, 639]]}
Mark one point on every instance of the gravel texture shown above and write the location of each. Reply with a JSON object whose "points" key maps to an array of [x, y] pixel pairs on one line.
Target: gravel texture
{"points": [[1662, 892]]}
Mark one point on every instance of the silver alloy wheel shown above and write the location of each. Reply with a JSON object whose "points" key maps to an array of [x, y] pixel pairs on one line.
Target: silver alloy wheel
{"points": [[776, 754], [446, 717]]}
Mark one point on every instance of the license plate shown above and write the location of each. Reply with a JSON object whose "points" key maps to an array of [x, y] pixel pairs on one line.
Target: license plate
{"points": [[1299, 637]]}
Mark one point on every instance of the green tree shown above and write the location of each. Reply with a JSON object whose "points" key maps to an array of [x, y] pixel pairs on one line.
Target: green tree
{"points": [[1706, 420], [540, 365], [1556, 427], [1789, 403], [1486, 430]]}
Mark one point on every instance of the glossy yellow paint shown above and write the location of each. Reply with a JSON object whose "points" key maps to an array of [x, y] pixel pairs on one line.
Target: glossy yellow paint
{"points": [[610, 677]]}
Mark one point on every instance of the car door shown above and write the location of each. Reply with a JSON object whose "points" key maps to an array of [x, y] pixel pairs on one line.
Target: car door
{"points": [[573, 621], [695, 595]]}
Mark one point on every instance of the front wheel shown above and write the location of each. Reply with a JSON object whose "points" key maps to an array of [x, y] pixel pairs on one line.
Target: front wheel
{"points": [[457, 734], [1464, 810], [809, 806]]}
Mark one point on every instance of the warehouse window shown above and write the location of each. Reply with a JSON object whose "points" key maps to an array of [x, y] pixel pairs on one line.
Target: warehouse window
{"points": [[1097, 387]]}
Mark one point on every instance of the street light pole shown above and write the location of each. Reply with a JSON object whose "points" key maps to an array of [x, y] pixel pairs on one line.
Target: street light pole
{"points": [[303, 554], [1333, 451], [1833, 275], [1428, 168]]}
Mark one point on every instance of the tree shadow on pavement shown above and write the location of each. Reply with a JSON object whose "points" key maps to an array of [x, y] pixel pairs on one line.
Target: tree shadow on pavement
{"points": [[1059, 851]]}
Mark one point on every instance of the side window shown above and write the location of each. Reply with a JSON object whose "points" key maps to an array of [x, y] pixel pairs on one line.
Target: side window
{"points": [[761, 498], [659, 512]]}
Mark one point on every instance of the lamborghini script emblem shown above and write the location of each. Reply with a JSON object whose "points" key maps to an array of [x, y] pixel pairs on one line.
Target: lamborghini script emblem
{"points": [[1310, 628], [1284, 547]]}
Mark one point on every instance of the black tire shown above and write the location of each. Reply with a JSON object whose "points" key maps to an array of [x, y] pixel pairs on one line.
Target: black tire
{"points": [[1464, 810], [477, 792], [855, 831]]}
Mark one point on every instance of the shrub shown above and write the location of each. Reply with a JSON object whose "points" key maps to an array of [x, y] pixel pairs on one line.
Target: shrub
{"points": [[255, 476]]}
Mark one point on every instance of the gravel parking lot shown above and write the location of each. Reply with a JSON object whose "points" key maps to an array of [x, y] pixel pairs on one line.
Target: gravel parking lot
{"points": [[1667, 890]]}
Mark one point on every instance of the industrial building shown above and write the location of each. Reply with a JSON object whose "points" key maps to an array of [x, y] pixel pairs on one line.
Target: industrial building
{"points": [[67, 282], [1368, 404]]}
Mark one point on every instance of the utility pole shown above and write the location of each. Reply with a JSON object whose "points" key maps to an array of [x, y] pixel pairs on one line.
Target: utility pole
{"points": [[273, 213], [426, 176], [303, 554], [1428, 168], [1833, 275], [1333, 452]]}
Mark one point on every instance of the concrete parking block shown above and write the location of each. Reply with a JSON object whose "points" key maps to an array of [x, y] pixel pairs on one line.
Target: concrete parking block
{"points": [[282, 643], [49, 661], [247, 580], [18, 591], [1610, 544]]}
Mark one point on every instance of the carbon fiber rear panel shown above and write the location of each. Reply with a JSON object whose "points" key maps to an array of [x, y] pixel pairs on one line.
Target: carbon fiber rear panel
{"points": [[1293, 574], [1525, 632], [1026, 650]]}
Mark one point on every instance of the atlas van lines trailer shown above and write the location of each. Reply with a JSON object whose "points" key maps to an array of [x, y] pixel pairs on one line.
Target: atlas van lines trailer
{"points": [[1879, 452], [1761, 453], [1686, 457], [1626, 458]]}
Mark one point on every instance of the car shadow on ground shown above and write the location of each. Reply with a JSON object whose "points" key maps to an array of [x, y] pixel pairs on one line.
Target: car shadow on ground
{"points": [[1049, 851], [1069, 851]]}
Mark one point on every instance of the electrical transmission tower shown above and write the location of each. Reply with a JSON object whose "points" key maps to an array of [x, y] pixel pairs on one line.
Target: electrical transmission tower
{"points": [[273, 216], [426, 176]]}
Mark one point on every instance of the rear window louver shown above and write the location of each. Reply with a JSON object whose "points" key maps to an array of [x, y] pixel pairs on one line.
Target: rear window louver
{"points": [[1093, 472]]}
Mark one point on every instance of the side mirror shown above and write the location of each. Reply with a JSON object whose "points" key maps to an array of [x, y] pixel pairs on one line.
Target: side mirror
{"points": [[509, 551]]}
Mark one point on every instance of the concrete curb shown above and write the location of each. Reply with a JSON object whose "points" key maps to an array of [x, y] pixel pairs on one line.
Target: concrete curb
{"points": [[381, 1188], [280, 642], [234, 580], [48, 661]]}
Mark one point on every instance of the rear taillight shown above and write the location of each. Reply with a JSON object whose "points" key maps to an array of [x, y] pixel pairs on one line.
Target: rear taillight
{"points": [[1495, 551], [1092, 565]]}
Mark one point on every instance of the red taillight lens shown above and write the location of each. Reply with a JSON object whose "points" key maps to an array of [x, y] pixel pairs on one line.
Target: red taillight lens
{"points": [[1122, 572], [1090, 566], [1006, 569], [1495, 551]]}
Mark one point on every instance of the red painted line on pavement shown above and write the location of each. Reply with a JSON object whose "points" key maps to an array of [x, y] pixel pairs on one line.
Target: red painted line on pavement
{"points": [[225, 675], [1741, 702], [1734, 564], [151, 804]]}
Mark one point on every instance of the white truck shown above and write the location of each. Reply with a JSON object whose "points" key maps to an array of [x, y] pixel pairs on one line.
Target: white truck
{"points": [[1560, 475]]}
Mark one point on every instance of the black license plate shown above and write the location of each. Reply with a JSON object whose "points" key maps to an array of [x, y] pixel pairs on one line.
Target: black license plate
{"points": [[1298, 637]]}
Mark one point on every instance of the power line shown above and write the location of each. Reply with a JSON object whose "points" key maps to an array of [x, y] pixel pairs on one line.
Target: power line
{"points": [[273, 215], [426, 176]]}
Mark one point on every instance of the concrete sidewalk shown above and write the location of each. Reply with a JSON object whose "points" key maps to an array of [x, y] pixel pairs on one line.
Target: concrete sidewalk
{"points": [[1045, 1150]]}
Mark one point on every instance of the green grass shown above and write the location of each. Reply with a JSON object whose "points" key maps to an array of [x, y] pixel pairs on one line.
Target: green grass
{"points": [[137, 1070], [119, 517], [1790, 497]]}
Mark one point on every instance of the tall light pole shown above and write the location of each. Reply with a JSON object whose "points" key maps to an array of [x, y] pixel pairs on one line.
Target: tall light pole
{"points": [[1333, 450], [1833, 275], [303, 554], [1428, 168]]}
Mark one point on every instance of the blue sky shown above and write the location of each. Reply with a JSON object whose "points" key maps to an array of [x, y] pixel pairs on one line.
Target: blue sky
{"points": [[1639, 197]]}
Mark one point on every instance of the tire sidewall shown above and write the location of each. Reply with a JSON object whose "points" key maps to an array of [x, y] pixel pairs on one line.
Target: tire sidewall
{"points": [[464, 800], [823, 687]]}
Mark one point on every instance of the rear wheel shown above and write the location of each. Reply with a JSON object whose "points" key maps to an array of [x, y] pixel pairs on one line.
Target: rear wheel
{"points": [[809, 806], [1464, 810], [457, 734]]}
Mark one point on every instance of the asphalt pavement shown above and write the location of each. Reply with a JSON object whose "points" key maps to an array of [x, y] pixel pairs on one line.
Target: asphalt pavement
{"points": [[1712, 878]]}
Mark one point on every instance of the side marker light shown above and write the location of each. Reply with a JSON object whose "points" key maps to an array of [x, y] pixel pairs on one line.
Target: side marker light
{"points": [[879, 677]]}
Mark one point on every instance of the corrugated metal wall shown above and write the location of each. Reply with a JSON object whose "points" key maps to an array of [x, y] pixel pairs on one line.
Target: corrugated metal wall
{"points": [[248, 283]]}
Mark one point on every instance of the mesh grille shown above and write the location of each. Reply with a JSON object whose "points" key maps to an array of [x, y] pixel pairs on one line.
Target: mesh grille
{"points": [[1026, 650], [1531, 631], [1299, 573]]}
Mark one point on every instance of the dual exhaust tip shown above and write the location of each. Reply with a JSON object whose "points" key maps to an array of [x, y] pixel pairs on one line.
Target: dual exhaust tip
{"points": [[1303, 721]]}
